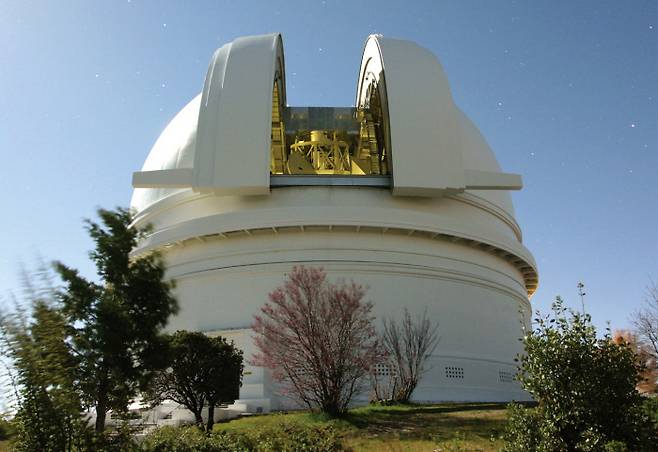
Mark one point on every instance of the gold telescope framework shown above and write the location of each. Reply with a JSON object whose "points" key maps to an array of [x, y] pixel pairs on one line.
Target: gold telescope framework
{"points": [[320, 154], [327, 140]]}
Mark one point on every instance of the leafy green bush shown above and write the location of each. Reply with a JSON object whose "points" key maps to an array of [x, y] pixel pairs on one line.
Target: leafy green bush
{"points": [[6, 428], [522, 433], [615, 446], [294, 437], [650, 408], [281, 437], [192, 439], [585, 387]]}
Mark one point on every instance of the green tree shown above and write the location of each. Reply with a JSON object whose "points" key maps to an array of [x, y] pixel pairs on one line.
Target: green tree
{"points": [[203, 371], [43, 371], [585, 388], [114, 326]]}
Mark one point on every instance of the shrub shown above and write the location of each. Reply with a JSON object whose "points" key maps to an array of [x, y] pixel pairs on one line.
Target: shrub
{"points": [[408, 344], [585, 387], [650, 408], [318, 339], [192, 439], [522, 433], [293, 437], [6, 428], [281, 437], [121, 438]]}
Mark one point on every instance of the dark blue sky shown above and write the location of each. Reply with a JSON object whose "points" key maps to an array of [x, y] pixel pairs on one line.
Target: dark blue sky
{"points": [[566, 93]]}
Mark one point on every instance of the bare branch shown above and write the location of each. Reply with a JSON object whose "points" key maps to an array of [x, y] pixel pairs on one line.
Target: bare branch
{"points": [[317, 339], [408, 344]]}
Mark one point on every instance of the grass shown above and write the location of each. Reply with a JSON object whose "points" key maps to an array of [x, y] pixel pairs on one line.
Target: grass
{"points": [[443, 427]]}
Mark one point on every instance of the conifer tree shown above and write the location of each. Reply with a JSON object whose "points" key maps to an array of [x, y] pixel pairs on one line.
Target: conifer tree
{"points": [[114, 325]]}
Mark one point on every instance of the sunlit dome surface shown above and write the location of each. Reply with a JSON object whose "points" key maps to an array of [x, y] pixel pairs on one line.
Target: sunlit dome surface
{"points": [[399, 192], [175, 149]]}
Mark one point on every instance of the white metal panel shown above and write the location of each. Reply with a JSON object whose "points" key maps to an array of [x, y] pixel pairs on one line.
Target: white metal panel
{"points": [[234, 132], [422, 125], [207, 135]]}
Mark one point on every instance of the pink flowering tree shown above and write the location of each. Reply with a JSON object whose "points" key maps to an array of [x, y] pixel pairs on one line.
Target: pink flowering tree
{"points": [[318, 339]]}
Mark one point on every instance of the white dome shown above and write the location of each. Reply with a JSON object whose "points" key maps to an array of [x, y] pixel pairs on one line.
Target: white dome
{"points": [[439, 232], [478, 155], [173, 149]]}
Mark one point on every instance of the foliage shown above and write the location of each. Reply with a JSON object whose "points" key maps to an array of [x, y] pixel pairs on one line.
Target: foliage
{"points": [[282, 437], [120, 438], [176, 439], [318, 339], [525, 430], [291, 437], [649, 372], [42, 370], [585, 388], [645, 323], [407, 345], [114, 326], [7, 428], [203, 371], [650, 407]]}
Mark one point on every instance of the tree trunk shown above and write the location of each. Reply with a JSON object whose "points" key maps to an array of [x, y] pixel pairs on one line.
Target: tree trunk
{"points": [[101, 412], [101, 402], [211, 417], [198, 419]]}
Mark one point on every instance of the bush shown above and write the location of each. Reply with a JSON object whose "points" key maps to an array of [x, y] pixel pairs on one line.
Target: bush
{"points": [[650, 408], [318, 339], [281, 437], [192, 439], [585, 387], [522, 433], [6, 429], [293, 437]]}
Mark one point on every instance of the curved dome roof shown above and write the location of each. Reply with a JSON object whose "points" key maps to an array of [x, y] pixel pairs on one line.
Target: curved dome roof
{"points": [[175, 148], [436, 149], [172, 150], [477, 155]]}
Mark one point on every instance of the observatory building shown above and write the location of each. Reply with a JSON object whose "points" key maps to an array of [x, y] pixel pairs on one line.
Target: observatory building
{"points": [[400, 193]]}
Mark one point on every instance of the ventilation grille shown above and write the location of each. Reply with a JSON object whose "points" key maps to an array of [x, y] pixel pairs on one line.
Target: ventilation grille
{"points": [[505, 376], [454, 372], [383, 370]]}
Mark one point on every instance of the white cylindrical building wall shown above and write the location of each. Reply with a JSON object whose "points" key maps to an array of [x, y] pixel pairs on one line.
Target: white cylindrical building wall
{"points": [[400, 249]]}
